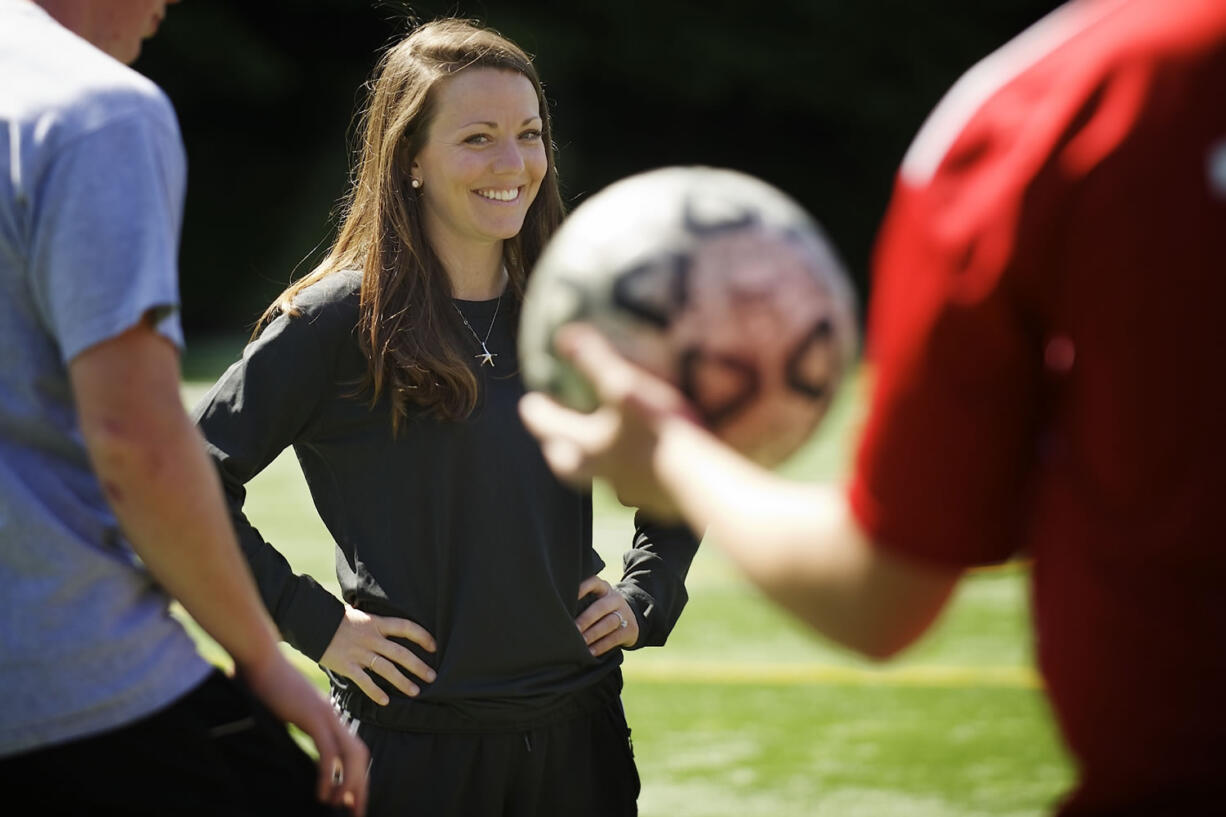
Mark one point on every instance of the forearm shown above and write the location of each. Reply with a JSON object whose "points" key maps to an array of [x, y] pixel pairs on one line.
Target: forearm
{"points": [[167, 499], [653, 580], [151, 464], [306, 614], [800, 545], [251, 415]]}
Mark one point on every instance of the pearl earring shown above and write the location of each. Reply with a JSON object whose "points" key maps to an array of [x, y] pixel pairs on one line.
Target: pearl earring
{"points": [[416, 184]]}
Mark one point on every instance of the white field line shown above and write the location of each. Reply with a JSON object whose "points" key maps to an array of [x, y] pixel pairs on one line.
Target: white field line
{"points": [[715, 672]]}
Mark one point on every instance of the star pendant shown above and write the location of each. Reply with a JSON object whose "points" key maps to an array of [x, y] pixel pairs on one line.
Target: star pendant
{"points": [[486, 356]]}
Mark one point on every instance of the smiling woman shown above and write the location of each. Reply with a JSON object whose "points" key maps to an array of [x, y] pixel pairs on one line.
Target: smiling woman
{"points": [[478, 172], [476, 640]]}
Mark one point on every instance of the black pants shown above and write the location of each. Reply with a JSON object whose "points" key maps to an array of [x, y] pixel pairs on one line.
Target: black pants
{"points": [[215, 751], [580, 765]]}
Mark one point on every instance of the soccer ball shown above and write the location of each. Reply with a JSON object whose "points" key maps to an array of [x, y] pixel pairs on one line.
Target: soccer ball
{"points": [[711, 279]]}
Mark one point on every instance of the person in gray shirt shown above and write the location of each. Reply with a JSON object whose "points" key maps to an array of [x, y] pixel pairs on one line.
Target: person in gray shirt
{"points": [[108, 505]]}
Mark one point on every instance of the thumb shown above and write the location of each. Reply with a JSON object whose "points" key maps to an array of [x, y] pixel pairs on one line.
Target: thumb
{"points": [[610, 374], [592, 584]]}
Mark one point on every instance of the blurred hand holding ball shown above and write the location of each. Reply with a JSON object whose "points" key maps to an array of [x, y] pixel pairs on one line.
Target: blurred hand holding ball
{"points": [[712, 280]]}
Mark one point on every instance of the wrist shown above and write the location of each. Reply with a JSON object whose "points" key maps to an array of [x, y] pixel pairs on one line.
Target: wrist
{"points": [[631, 593], [258, 652], [678, 440]]}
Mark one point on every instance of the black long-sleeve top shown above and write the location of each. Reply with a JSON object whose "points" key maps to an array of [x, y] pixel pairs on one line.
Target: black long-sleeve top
{"points": [[459, 526]]}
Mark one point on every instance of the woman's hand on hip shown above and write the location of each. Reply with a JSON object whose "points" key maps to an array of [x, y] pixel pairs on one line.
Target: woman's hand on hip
{"points": [[362, 647], [608, 622]]}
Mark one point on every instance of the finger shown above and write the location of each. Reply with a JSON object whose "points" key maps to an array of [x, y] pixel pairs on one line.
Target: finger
{"points": [[618, 638], [338, 780], [567, 460], [608, 372], [542, 413], [384, 667], [346, 766], [355, 761], [331, 767], [404, 628], [594, 584], [398, 654], [330, 737], [595, 612], [551, 422], [606, 625], [342, 765], [602, 606], [368, 687], [616, 380]]}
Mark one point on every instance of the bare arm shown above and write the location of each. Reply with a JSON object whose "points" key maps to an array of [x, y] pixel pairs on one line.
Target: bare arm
{"points": [[152, 466], [802, 546], [799, 543], [165, 493]]}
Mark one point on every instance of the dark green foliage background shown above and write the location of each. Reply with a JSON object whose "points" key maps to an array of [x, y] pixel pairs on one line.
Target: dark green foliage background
{"points": [[819, 97]]}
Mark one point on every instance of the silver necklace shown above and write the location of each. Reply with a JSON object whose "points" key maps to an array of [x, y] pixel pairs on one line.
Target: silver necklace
{"points": [[486, 355]]}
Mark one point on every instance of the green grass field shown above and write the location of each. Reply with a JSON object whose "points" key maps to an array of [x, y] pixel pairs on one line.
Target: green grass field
{"points": [[745, 713]]}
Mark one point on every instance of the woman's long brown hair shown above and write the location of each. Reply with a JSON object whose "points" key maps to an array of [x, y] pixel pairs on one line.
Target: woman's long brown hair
{"points": [[407, 327]]}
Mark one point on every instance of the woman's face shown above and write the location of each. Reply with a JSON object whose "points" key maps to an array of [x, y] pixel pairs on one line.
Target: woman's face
{"points": [[483, 159]]}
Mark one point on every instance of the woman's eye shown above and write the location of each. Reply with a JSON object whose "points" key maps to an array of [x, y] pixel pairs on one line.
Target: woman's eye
{"points": [[477, 139], [531, 135]]}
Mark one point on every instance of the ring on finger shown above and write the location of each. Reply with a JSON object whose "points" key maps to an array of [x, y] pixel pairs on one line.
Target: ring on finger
{"points": [[624, 624], [371, 663]]}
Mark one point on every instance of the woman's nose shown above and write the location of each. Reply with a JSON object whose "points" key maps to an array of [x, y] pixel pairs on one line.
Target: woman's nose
{"points": [[508, 158]]}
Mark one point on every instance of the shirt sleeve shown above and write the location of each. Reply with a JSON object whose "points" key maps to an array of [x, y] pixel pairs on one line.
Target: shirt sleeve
{"points": [[653, 580], [105, 231], [950, 441], [258, 408]]}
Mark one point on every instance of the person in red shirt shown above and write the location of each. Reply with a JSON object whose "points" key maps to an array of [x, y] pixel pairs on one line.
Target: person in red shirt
{"points": [[1045, 344]]}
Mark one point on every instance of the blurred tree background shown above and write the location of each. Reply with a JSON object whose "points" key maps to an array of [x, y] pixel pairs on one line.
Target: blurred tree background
{"points": [[818, 97]]}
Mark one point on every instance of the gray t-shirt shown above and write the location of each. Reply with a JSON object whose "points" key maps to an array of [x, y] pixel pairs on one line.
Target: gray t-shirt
{"points": [[92, 177]]}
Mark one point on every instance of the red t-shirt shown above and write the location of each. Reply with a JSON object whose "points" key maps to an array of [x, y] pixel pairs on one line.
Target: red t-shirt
{"points": [[1048, 330]]}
